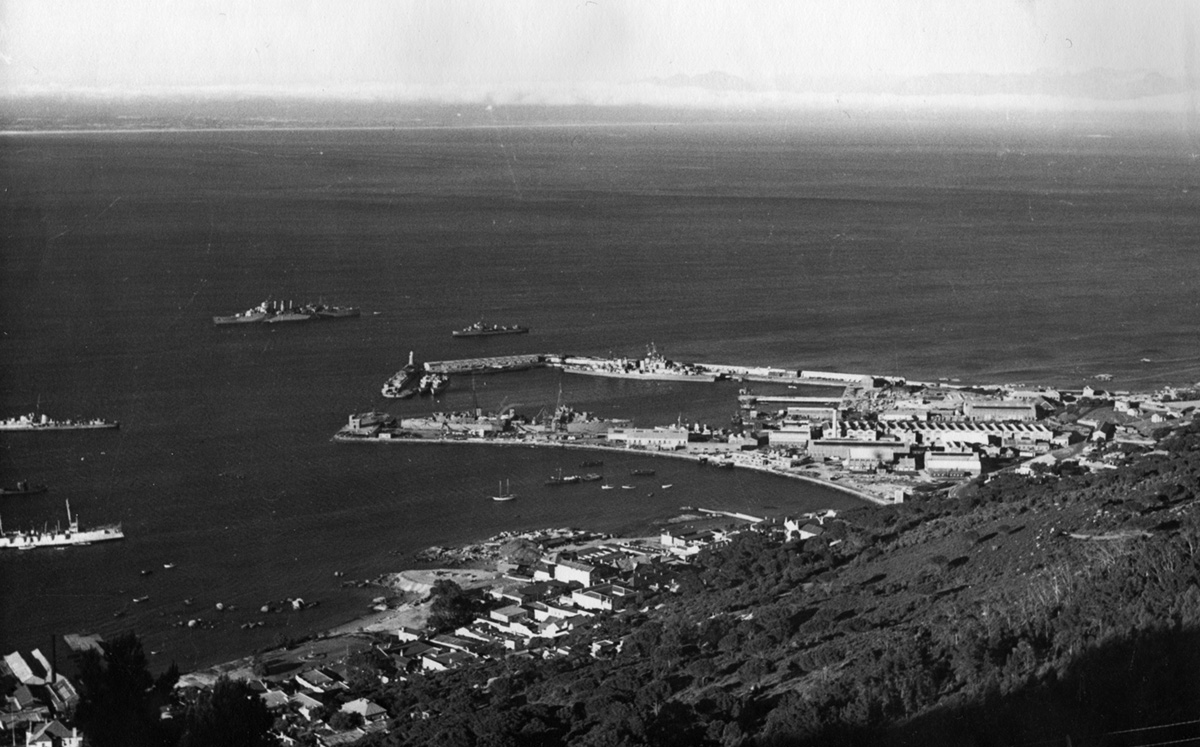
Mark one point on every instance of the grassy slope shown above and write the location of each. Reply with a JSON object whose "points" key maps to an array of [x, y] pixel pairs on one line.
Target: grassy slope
{"points": [[976, 620]]}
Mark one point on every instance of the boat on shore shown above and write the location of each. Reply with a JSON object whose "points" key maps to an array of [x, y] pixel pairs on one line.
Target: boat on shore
{"points": [[59, 537], [32, 422], [479, 329], [24, 488]]}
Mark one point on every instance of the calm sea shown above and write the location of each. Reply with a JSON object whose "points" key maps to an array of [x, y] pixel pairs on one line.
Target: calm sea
{"points": [[986, 258]]}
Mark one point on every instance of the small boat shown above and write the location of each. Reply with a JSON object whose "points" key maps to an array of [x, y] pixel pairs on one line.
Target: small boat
{"points": [[606, 487], [641, 472], [168, 566], [146, 571], [139, 600], [591, 463], [24, 488], [667, 485], [626, 487], [505, 493], [591, 477], [439, 384], [559, 479]]}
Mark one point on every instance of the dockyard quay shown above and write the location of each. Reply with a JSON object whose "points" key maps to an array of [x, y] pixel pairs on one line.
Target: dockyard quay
{"points": [[877, 437]]}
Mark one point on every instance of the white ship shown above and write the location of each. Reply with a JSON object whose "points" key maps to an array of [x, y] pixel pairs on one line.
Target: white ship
{"points": [[58, 537], [32, 422]]}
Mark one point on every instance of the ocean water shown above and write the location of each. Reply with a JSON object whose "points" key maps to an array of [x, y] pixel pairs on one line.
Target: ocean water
{"points": [[985, 257]]}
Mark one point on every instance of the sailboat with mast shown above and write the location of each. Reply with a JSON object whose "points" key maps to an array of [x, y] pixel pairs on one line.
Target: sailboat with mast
{"points": [[505, 493]]}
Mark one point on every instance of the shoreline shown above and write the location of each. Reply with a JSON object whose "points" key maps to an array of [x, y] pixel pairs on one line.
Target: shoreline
{"points": [[849, 487], [408, 597]]}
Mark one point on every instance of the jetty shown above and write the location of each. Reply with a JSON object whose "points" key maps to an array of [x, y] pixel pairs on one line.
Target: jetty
{"points": [[494, 364]]}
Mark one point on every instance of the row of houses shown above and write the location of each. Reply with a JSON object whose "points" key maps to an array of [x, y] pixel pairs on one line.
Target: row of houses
{"points": [[548, 599], [37, 701]]}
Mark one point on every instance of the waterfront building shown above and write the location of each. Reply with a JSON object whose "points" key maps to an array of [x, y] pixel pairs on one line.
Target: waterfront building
{"points": [[840, 448], [661, 439], [791, 435]]}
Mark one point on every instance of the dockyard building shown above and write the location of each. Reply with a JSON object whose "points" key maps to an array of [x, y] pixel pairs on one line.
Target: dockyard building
{"points": [[952, 464], [811, 412], [989, 411], [794, 435], [840, 448], [661, 439]]}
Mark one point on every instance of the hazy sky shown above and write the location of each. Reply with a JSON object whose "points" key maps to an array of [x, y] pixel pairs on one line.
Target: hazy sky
{"points": [[548, 48]]}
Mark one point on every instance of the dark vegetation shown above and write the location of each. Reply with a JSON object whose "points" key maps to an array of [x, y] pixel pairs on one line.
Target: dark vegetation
{"points": [[120, 705], [978, 620], [1021, 611]]}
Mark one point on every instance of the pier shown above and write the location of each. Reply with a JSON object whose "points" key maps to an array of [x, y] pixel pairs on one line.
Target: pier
{"points": [[488, 365], [750, 399]]}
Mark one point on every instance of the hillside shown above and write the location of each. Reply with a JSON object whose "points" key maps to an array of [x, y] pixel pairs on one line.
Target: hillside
{"points": [[1018, 611]]}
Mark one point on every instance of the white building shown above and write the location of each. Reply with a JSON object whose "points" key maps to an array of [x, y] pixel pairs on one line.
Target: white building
{"points": [[952, 463], [661, 439]]}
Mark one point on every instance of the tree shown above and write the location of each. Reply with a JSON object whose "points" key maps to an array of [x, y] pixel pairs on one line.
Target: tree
{"points": [[345, 720], [116, 706], [229, 715], [452, 606]]}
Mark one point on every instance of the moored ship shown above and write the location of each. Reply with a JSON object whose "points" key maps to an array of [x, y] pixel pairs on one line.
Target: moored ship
{"points": [[24, 488], [59, 537], [479, 329], [32, 422], [398, 387], [653, 367], [338, 312], [505, 493], [272, 312]]}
